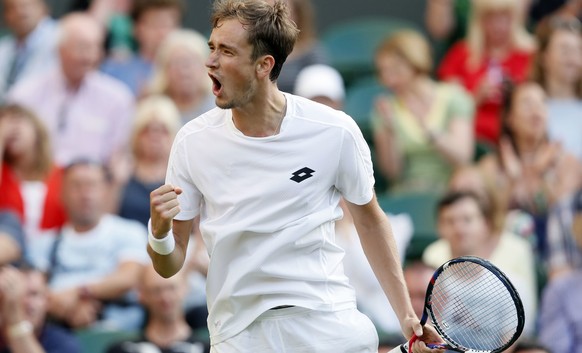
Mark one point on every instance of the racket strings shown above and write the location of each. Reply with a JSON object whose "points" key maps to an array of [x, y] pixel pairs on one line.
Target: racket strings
{"points": [[472, 307]]}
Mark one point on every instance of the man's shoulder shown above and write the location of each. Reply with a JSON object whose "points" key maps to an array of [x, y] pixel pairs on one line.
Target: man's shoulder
{"points": [[106, 84], [113, 221], [213, 118], [308, 110]]}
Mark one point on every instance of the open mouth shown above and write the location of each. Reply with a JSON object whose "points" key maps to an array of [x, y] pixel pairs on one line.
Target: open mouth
{"points": [[216, 85]]}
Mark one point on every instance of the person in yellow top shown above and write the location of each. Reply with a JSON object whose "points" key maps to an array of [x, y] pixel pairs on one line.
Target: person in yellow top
{"points": [[424, 130]]}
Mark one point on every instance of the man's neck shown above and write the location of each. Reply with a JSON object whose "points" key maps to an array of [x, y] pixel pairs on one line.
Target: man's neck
{"points": [[165, 333], [264, 116], [558, 89]]}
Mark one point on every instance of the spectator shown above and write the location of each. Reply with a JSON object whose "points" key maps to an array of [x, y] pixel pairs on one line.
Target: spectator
{"points": [[560, 315], [564, 255], [466, 226], [156, 122], [181, 75], [86, 112], [533, 171], [153, 20], [557, 67], [97, 259], [307, 51], [30, 184], [424, 130], [166, 330], [11, 238], [322, 84], [115, 16], [529, 346], [23, 306], [497, 48], [31, 46]]}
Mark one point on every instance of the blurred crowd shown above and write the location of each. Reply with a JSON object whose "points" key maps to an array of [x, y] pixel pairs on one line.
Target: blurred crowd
{"points": [[482, 109]]}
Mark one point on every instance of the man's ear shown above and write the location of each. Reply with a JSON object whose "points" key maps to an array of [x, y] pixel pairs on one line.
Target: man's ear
{"points": [[264, 65]]}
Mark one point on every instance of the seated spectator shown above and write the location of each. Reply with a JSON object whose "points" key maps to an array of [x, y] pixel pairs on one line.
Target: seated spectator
{"points": [[166, 329], [529, 346], [564, 255], [23, 307], [153, 20], [425, 130], [322, 84], [30, 48], [181, 75], [97, 259], [560, 325], [466, 226], [11, 238], [496, 48], [307, 50], [88, 114], [534, 172], [157, 120], [557, 67], [30, 184]]}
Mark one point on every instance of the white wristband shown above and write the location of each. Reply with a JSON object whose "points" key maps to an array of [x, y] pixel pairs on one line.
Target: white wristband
{"points": [[163, 246]]}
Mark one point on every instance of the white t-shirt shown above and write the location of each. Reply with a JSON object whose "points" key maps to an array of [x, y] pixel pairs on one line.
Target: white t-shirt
{"points": [[267, 209], [87, 257]]}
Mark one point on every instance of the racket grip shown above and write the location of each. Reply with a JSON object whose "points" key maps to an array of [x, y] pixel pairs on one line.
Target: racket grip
{"points": [[405, 348], [437, 346]]}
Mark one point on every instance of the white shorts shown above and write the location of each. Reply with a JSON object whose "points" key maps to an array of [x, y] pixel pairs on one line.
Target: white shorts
{"points": [[300, 330]]}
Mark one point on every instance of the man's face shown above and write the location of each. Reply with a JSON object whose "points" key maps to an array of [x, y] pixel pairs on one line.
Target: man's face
{"points": [[463, 225], [154, 25], [81, 52], [22, 16], [233, 72], [84, 192], [163, 297], [35, 301]]}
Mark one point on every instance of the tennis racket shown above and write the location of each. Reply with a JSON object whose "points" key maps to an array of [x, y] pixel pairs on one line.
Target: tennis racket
{"points": [[473, 306]]}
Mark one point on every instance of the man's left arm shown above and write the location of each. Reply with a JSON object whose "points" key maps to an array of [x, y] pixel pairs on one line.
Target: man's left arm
{"points": [[378, 242]]}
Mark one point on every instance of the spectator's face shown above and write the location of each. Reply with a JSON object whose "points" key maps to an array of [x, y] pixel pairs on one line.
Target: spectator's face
{"points": [[84, 193], [22, 16], [35, 302], [154, 141], [497, 27], [153, 27], [22, 139], [80, 51], [163, 297], [394, 71], [528, 114], [186, 73], [562, 59], [463, 225], [417, 279]]}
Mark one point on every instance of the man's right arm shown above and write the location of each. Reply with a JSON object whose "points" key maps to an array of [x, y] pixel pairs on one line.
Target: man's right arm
{"points": [[164, 207]]}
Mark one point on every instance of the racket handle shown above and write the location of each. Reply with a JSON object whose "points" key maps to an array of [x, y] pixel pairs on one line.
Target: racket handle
{"points": [[404, 348], [437, 346]]}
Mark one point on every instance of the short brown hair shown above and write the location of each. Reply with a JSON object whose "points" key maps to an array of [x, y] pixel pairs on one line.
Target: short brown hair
{"points": [[142, 6], [270, 28]]}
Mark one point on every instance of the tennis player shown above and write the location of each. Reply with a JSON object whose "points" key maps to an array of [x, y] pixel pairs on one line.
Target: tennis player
{"points": [[265, 172]]}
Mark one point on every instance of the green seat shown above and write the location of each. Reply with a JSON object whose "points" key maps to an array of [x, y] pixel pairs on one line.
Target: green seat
{"points": [[422, 209], [351, 44], [98, 340], [359, 103]]}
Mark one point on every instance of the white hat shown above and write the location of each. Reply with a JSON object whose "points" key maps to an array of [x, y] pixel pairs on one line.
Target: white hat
{"points": [[320, 81]]}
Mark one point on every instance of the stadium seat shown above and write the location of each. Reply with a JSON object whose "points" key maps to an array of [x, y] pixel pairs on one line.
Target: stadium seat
{"points": [[98, 340], [351, 44], [360, 101], [421, 208]]}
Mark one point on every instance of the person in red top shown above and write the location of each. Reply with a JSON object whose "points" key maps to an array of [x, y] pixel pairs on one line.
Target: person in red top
{"points": [[497, 48], [30, 184]]}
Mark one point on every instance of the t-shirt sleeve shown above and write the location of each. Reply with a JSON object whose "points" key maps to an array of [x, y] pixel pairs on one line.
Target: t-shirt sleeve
{"points": [[355, 177], [462, 105], [178, 175], [10, 226], [132, 245]]}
